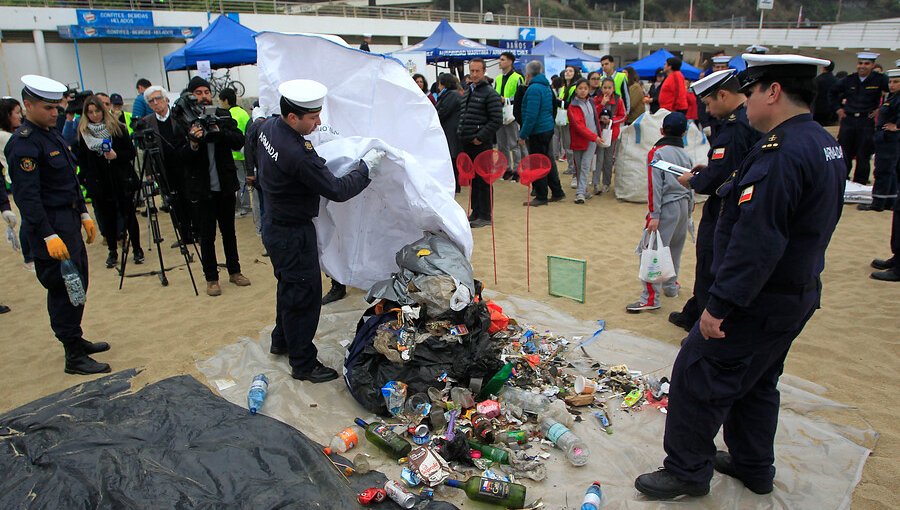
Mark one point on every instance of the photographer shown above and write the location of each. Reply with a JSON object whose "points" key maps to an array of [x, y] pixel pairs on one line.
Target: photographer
{"points": [[106, 157], [211, 180], [162, 123]]}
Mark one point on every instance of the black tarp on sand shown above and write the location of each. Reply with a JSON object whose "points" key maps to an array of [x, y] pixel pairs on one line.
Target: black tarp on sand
{"points": [[173, 444]]}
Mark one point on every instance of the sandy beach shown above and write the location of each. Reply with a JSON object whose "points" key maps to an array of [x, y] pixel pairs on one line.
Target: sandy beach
{"points": [[849, 347]]}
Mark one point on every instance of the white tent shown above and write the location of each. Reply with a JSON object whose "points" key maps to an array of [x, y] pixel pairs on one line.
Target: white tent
{"points": [[636, 141], [371, 102]]}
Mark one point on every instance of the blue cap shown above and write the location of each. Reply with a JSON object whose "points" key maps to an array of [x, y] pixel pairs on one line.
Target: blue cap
{"points": [[675, 122]]}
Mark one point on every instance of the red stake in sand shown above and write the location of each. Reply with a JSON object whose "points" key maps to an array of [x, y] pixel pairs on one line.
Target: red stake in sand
{"points": [[531, 168], [490, 166]]}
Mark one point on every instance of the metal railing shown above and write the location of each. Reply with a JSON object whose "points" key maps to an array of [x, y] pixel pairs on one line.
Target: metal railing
{"points": [[433, 15]]}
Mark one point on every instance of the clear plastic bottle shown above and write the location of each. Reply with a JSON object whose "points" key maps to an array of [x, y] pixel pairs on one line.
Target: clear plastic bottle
{"points": [[257, 394], [74, 286], [557, 411], [342, 441], [528, 401], [592, 497], [576, 451]]}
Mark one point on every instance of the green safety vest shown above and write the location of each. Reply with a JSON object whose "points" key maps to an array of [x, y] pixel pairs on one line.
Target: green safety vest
{"points": [[618, 81], [509, 91], [128, 122], [240, 116]]}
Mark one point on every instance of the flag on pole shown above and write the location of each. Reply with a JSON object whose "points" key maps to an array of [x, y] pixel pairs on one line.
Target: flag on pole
{"points": [[691, 12], [529, 8]]}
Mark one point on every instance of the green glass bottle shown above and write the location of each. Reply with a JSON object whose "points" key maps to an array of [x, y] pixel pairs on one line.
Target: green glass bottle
{"points": [[495, 454], [495, 383], [495, 492], [511, 436], [383, 437]]}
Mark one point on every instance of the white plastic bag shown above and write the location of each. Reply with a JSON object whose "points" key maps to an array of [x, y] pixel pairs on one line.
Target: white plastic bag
{"points": [[606, 136], [656, 262], [508, 117], [562, 117]]}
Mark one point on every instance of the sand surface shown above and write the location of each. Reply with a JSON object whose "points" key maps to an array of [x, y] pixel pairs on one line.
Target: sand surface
{"points": [[850, 346]]}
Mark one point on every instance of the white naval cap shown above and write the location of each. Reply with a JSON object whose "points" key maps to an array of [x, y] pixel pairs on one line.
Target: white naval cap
{"points": [[779, 66], [711, 83], [721, 59], [897, 62], [867, 55], [757, 49], [367, 36], [893, 73], [307, 95], [44, 88]]}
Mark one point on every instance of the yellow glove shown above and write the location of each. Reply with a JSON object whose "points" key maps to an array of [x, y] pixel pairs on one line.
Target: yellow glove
{"points": [[57, 248], [90, 229]]}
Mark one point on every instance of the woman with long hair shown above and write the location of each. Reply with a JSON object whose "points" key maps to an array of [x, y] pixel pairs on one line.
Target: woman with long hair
{"points": [[636, 94], [423, 84], [11, 116], [570, 76], [106, 158]]}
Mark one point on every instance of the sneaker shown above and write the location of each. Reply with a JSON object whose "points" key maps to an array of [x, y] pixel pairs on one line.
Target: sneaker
{"points": [[507, 175], [579, 199], [213, 289], [557, 199], [605, 189], [664, 485], [597, 190], [724, 464], [638, 307], [479, 223], [138, 256], [28, 266], [4, 309], [239, 280], [112, 259], [574, 183], [672, 292], [535, 202]]}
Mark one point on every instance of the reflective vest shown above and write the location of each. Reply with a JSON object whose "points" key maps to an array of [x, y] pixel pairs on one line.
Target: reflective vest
{"points": [[240, 116], [509, 90]]}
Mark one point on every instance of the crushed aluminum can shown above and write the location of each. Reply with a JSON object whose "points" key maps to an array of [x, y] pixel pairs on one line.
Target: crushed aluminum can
{"points": [[371, 495], [421, 434], [431, 467]]}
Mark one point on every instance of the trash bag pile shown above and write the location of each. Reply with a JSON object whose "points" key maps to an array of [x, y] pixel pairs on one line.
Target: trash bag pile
{"points": [[470, 398]]}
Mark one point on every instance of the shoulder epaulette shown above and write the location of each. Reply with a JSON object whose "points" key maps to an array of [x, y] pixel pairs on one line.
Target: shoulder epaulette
{"points": [[25, 132], [773, 141]]}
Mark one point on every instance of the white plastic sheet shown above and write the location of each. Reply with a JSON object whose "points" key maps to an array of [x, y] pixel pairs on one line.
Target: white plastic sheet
{"points": [[371, 102], [819, 462]]}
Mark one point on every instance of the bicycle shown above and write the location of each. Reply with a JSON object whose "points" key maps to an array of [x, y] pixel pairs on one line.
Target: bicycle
{"points": [[219, 83]]}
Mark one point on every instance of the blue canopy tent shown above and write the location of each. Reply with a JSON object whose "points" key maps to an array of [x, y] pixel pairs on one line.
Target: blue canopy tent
{"points": [[647, 66], [557, 48], [445, 44], [737, 63], [225, 43]]}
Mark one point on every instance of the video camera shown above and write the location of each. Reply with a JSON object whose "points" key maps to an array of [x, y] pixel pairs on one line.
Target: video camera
{"points": [[188, 112]]}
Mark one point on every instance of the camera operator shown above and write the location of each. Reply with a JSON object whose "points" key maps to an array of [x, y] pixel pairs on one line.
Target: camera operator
{"points": [[163, 124], [211, 183]]}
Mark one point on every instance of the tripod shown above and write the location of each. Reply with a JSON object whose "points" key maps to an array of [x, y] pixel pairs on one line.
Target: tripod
{"points": [[153, 181]]}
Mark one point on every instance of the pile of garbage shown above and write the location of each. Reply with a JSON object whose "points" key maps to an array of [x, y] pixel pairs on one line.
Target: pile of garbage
{"points": [[468, 397]]}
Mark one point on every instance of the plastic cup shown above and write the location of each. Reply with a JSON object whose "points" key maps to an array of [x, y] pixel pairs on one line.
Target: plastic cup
{"points": [[585, 386]]}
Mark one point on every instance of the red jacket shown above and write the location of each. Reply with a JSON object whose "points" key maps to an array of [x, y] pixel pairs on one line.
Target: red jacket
{"points": [[617, 118], [672, 94], [579, 134], [692, 113]]}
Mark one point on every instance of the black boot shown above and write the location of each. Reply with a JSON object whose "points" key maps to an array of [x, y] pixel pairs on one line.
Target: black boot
{"points": [[724, 464], [884, 264], [338, 291], [93, 347], [112, 259], [319, 374], [888, 275], [79, 363], [682, 321], [664, 485]]}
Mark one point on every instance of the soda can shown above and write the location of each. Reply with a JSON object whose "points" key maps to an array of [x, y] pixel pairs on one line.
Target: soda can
{"points": [[401, 496]]}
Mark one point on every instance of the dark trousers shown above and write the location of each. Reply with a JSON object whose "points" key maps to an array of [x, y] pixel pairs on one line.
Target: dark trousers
{"points": [[27, 252], [481, 191], [184, 214], [895, 233], [217, 209], [731, 383], [887, 165], [541, 143], [703, 279], [65, 319], [110, 211], [294, 254], [855, 137]]}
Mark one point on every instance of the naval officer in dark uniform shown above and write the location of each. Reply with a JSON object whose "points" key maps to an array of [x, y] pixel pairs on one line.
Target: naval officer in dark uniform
{"points": [[779, 210], [292, 177], [731, 142], [855, 99], [887, 148], [53, 213]]}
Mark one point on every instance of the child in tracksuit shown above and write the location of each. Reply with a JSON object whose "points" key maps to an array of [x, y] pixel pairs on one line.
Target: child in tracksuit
{"points": [[670, 206]]}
